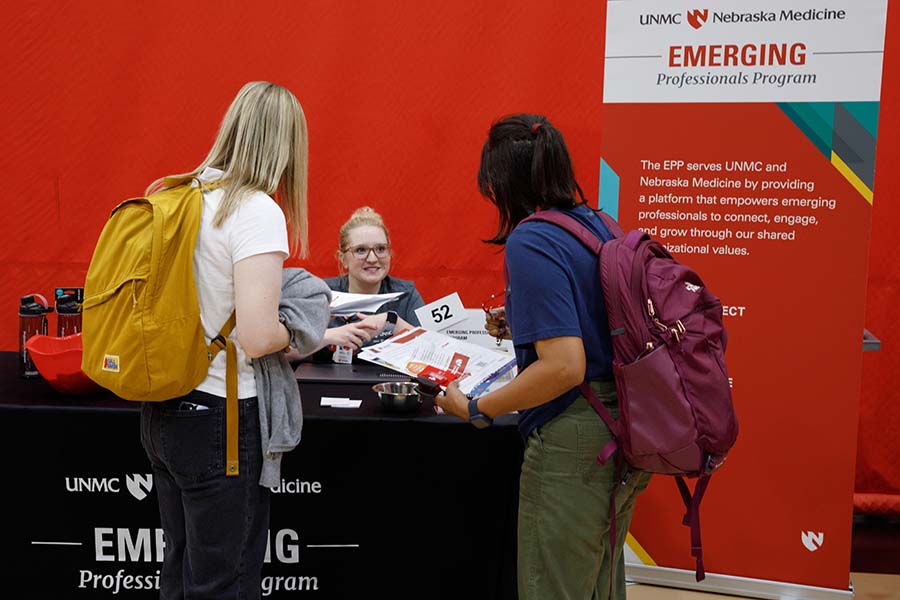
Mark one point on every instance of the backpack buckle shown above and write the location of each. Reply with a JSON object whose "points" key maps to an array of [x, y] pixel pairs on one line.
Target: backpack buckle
{"points": [[712, 464], [678, 331], [219, 341]]}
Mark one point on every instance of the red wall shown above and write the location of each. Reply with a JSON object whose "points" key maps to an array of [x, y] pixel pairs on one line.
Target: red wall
{"points": [[101, 97], [398, 97], [878, 460]]}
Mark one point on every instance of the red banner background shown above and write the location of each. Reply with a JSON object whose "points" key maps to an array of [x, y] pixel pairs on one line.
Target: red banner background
{"points": [[794, 342], [103, 97]]}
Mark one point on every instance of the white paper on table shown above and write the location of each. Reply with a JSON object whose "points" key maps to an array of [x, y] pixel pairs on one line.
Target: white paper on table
{"points": [[344, 303], [472, 330], [500, 381], [340, 402], [420, 349]]}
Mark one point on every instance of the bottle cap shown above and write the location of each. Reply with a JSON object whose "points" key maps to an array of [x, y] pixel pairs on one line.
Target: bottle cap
{"points": [[67, 304], [33, 305]]}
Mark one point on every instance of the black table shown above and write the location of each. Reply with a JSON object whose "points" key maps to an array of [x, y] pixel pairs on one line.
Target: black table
{"points": [[371, 504]]}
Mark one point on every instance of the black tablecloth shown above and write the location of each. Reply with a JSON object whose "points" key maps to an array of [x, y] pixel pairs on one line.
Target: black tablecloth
{"points": [[371, 505]]}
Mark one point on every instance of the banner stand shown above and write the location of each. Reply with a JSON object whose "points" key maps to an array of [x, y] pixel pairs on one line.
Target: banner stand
{"points": [[743, 138], [729, 584]]}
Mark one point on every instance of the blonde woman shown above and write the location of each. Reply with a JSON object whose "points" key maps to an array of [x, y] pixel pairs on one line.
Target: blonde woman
{"points": [[216, 526], [364, 254]]}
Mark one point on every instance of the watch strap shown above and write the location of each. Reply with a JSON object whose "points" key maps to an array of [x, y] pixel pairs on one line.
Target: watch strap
{"points": [[390, 322], [477, 418]]}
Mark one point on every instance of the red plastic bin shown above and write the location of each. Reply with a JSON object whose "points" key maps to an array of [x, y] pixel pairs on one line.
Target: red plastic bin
{"points": [[58, 360]]}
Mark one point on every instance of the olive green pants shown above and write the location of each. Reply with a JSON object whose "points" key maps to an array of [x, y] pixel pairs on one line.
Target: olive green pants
{"points": [[563, 531]]}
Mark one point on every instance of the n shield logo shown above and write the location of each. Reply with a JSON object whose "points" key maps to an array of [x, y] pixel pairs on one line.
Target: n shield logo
{"points": [[139, 485], [812, 540], [697, 17]]}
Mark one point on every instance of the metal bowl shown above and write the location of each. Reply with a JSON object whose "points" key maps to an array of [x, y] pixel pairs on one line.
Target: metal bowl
{"points": [[398, 396]]}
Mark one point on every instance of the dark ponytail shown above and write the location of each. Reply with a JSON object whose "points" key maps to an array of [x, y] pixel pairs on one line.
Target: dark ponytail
{"points": [[525, 166]]}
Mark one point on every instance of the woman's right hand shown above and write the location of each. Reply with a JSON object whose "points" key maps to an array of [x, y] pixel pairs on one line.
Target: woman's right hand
{"points": [[495, 324], [352, 334]]}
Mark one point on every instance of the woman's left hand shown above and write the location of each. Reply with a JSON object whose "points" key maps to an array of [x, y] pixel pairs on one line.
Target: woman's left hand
{"points": [[454, 402]]}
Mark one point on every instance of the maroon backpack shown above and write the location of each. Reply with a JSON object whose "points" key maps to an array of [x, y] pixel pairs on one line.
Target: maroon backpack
{"points": [[676, 416]]}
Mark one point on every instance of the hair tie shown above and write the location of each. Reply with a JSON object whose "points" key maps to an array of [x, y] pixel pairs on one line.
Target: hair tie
{"points": [[535, 127]]}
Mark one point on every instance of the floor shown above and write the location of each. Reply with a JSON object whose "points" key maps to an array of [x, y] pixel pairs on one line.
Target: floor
{"points": [[868, 586], [874, 562]]}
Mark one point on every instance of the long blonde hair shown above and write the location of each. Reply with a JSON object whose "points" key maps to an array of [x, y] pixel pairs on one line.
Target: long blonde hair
{"points": [[261, 146]]}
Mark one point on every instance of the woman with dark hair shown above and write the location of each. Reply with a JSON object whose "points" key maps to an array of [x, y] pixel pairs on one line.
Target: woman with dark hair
{"points": [[556, 317]]}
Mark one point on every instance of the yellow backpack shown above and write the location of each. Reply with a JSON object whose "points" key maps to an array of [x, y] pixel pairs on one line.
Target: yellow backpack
{"points": [[141, 330]]}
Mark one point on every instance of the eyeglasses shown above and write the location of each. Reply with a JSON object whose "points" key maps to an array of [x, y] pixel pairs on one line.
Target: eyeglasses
{"points": [[362, 251]]}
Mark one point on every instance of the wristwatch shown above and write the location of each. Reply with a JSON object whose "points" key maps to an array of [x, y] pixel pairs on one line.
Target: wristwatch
{"points": [[476, 418], [390, 322]]}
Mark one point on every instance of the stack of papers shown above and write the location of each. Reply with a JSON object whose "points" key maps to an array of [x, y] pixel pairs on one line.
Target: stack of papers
{"points": [[443, 359], [345, 304]]}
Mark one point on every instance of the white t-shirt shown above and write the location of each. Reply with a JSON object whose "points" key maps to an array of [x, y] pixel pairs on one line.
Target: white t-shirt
{"points": [[257, 226]]}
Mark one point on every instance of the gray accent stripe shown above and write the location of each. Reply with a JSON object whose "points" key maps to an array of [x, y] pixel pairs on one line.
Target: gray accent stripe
{"points": [[854, 144]]}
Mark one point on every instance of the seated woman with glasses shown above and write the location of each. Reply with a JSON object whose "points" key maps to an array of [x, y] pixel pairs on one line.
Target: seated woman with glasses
{"points": [[364, 253]]}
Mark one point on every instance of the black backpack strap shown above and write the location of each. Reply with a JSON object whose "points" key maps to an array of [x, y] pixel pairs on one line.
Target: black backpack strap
{"points": [[692, 517]]}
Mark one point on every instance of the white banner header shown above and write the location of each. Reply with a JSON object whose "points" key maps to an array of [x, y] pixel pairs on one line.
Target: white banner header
{"points": [[733, 51]]}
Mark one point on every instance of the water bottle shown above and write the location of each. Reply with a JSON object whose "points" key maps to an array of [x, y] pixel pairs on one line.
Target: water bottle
{"points": [[32, 321], [68, 311]]}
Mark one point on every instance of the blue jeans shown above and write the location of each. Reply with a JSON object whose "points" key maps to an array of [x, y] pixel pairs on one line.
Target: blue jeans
{"points": [[215, 527]]}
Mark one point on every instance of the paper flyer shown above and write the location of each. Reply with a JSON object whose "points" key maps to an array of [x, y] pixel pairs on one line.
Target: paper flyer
{"points": [[439, 357], [346, 304]]}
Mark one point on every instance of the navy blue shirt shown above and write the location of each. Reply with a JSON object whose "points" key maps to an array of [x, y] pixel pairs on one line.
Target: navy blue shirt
{"points": [[554, 291]]}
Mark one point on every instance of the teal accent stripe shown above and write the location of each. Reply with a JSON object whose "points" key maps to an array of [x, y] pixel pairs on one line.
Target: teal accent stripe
{"points": [[866, 113], [815, 120], [609, 190]]}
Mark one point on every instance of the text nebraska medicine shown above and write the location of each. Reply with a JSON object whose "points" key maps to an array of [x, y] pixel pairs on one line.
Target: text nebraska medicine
{"points": [[732, 55]]}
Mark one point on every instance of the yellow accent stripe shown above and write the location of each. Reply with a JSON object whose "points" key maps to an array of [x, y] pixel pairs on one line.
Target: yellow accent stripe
{"points": [[850, 176], [639, 550]]}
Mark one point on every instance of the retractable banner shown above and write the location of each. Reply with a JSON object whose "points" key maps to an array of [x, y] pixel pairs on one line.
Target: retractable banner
{"points": [[742, 136]]}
